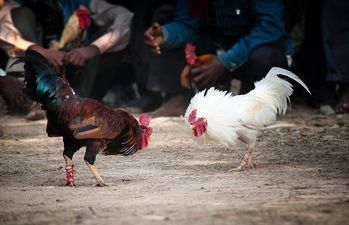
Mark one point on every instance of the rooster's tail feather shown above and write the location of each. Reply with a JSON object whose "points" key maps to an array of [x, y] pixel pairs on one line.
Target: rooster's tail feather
{"points": [[276, 91], [280, 71], [43, 84]]}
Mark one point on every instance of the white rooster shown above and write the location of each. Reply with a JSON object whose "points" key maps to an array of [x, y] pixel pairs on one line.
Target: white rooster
{"points": [[225, 118]]}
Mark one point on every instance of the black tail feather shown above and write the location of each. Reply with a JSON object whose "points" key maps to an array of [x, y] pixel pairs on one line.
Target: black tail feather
{"points": [[43, 84]]}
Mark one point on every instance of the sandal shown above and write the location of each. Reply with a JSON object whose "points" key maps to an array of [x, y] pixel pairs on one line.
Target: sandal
{"points": [[36, 113]]}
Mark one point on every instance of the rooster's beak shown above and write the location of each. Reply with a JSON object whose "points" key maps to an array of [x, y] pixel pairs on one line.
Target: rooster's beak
{"points": [[192, 127]]}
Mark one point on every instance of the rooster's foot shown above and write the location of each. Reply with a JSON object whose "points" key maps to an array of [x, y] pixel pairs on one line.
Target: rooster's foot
{"points": [[100, 181], [69, 184], [242, 168], [236, 169], [104, 184]]}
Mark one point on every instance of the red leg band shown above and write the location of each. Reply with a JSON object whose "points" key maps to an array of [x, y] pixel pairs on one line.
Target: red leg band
{"points": [[69, 178]]}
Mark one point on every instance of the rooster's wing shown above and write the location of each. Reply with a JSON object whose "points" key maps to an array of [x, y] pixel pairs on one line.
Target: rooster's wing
{"points": [[122, 132]]}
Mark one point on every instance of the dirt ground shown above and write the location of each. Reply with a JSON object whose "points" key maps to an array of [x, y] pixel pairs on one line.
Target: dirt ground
{"points": [[302, 177]]}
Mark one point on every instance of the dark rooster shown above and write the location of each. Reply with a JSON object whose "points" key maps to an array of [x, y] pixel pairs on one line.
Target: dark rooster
{"points": [[81, 121]]}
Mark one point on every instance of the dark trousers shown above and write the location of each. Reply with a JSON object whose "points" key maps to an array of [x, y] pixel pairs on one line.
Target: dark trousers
{"points": [[260, 61], [335, 30], [161, 73], [100, 74], [310, 62], [25, 21], [158, 73], [166, 69]]}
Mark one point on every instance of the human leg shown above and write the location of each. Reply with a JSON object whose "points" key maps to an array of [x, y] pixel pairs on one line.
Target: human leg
{"points": [[100, 74], [25, 21], [335, 34], [157, 74], [30, 29], [260, 61]]}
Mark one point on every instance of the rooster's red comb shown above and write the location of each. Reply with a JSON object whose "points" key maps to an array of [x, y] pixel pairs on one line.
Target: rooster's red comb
{"points": [[84, 18], [144, 120], [190, 54]]}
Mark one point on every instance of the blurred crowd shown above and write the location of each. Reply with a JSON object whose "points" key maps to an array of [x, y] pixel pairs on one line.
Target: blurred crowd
{"points": [[130, 54]]}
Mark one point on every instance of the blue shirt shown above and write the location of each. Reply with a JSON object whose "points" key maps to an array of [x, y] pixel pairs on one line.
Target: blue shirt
{"points": [[249, 23]]}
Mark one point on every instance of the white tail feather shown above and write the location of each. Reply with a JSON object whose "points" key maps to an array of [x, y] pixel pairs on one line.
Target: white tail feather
{"points": [[280, 71], [276, 91]]}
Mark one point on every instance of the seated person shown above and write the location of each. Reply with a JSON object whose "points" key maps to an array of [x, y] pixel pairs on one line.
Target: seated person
{"points": [[248, 37], [155, 75], [106, 24]]}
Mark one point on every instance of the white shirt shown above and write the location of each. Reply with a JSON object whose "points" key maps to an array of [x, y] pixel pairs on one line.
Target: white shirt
{"points": [[102, 12]]}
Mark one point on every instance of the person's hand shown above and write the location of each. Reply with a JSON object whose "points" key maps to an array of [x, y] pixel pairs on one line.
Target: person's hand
{"points": [[80, 56], [206, 74], [154, 38], [55, 57]]}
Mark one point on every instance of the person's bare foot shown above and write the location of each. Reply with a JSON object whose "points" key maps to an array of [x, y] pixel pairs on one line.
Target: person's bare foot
{"points": [[150, 101], [343, 103], [36, 113], [173, 107]]}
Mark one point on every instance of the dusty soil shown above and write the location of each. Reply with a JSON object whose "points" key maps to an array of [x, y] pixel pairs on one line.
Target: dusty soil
{"points": [[302, 178]]}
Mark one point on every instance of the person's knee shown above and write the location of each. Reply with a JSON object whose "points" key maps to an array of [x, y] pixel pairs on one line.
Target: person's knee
{"points": [[24, 11], [24, 20], [22, 15], [260, 61], [265, 57]]}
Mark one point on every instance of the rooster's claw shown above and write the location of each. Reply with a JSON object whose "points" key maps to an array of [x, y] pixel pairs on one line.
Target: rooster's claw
{"points": [[104, 184]]}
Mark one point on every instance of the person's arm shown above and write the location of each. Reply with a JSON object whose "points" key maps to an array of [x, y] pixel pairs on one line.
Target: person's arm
{"points": [[13, 40], [115, 39], [118, 34], [269, 28], [183, 29], [55, 57], [9, 34]]}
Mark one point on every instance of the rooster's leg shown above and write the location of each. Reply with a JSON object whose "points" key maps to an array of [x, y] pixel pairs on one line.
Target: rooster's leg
{"points": [[99, 179], [70, 169], [246, 162], [250, 163]]}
